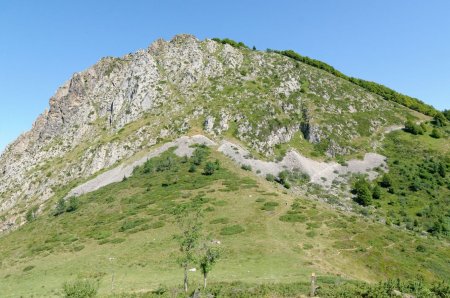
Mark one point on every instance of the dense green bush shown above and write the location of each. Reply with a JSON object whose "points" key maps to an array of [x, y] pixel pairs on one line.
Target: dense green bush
{"points": [[363, 194], [231, 42], [386, 181], [413, 128], [435, 133], [199, 155]]}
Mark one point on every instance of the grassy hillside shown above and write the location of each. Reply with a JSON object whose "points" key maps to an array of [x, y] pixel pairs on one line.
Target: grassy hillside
{"points": [[267, 236]]}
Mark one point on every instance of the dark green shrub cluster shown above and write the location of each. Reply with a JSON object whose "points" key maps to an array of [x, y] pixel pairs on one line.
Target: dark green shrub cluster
{"points": [[362, 192], [231, 43], [66, 206], [417, 186], [283, 178], [211, 167], [246, 167], [413, 128]]}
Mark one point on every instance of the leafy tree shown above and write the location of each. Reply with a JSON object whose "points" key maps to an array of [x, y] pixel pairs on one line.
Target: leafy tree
{"points": [[188, 241], [207, 261], [363, 195], [376, 192], [386, 181], [60, 207], [439, 119]]}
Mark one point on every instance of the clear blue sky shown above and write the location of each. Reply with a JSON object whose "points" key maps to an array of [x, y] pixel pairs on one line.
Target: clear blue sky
{"points": [[404, 44]]}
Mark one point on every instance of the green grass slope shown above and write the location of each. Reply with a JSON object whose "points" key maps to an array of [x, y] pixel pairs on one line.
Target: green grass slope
{"points": [[267, 236]]}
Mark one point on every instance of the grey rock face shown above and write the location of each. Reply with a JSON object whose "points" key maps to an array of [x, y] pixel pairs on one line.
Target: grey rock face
{"points": [[123, 106]]}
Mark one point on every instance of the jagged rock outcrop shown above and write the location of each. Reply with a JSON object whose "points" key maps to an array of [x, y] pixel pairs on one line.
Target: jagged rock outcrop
{"points": [[121, 106]]}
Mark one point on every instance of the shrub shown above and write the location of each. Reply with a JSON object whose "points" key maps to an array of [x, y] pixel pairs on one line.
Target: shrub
{"points": [[31, 214], [386, 181], [80, 289], [192, 168], [413, 128], [376, 192], [246, 167], [436, 134], [60, 207], [270, 177], [421, 248], [362, 191], [283, 177], [209, 169], [165, 164], [439, 119], [74, 203], [200, 153]]}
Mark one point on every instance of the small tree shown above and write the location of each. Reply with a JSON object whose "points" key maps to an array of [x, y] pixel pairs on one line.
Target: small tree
{"points": [[376, 192], [362, 192], [207, 261], [386, 181], [188, 241], [209, 169]]}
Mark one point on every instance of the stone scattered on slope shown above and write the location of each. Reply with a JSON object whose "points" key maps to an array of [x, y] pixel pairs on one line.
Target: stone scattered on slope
{"points": [[321, 173]]}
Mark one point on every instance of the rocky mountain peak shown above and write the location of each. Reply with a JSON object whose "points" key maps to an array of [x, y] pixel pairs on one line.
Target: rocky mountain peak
{"points": [[122, 106]]}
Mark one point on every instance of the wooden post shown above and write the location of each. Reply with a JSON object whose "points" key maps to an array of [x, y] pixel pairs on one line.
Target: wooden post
{"points": [[313, 285]]}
